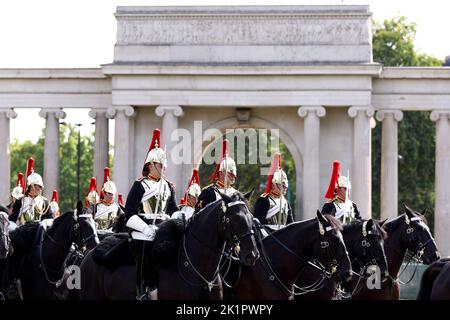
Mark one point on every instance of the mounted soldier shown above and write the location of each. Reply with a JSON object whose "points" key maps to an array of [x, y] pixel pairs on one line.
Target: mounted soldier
{"points": [[338, 195], [54, 204], [92, 197], [222, 179], [17, 192], [272, 208], [151, 198], [107, 211], [190, 198], [32, 206]]}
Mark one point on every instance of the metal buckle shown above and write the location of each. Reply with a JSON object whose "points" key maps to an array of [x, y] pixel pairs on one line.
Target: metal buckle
{"points": [[324, 244], [365, 243], [409, 230]]}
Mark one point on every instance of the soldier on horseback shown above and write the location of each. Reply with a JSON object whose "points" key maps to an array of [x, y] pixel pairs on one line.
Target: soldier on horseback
{"points": [[190, 198], [32, 206], [151, 198], [54, 204], [17, 191], [222, 179], [272, 209], [107, 211], [338, 195]]}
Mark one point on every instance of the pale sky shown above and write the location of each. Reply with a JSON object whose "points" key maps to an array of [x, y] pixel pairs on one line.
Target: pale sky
{"points": [[81, 33]]}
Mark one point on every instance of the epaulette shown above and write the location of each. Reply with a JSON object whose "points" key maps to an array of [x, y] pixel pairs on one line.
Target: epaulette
{"points": [[140, 178], [265, 194], [331, 200], [212, 184]]}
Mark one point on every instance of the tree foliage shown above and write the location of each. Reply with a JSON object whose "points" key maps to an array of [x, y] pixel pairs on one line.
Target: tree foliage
{"points": [[393, 45]]}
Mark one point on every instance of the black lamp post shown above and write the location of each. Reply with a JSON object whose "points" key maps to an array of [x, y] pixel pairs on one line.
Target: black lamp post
{"points": [[78, 159]]}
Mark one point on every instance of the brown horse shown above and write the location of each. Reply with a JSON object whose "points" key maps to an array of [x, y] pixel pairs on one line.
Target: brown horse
{"points": [[408, 231], [435, 283], [285, 252]]}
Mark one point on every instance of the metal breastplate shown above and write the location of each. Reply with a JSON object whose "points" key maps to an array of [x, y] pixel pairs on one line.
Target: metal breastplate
{"points": [[32, 209], [154, 191], [228, 191], [105, 215], [278, 211], [344, 210]]}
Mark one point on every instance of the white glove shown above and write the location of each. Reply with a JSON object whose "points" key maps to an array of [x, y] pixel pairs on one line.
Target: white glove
{"points": [[149, 230]]}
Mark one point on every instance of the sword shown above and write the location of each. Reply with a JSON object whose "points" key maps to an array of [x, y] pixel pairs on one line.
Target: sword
{"points": [[160, 186]]}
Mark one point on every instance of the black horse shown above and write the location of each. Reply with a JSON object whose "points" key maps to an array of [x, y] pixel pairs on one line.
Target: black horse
{"points": [[364, 240], [4, 249], [435, 283], [40, 254], [285, 252], [191, 272], [407, 232]]}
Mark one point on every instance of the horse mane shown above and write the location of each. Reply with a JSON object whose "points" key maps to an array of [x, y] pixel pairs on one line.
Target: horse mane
{"points": [[393, 224], [335, 223], [58, 221]]}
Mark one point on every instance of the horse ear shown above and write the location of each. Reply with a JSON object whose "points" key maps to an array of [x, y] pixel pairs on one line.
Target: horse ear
{"points": [[369, 225], [408, 211], [249, 194], [79, 206], [424, 212], [321, 218], [382, 222], [225, 197]]}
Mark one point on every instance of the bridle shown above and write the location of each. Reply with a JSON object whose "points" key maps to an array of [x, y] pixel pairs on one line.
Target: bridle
{"points": [[231, 238]]}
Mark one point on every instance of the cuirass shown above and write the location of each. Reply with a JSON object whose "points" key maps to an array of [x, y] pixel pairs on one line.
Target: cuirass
{"points": [[155, 192]]}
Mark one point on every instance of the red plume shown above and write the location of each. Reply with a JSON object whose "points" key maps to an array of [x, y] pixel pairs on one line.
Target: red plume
{"points": [[333, 181], [120, 200], [30, 166], [156, 139], [20, 180], [276, 164], [92, 185], [55, 196], [225, 153], [195, 178]]}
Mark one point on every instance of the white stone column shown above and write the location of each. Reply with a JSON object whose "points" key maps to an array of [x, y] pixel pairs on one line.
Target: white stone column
{"points": [[361, 175], [101, 145], [51, 149], [311, 159], [389, 162], [123, 148], [170, 114], [5, 166], [442, 181]]}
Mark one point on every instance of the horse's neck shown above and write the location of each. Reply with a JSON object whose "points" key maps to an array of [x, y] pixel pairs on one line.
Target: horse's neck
{"points": [[287, 265], [204, 245], [56, 253], [395, 252]]}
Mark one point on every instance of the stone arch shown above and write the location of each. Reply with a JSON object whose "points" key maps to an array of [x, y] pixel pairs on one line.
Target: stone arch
{"points": [[261, 123]]}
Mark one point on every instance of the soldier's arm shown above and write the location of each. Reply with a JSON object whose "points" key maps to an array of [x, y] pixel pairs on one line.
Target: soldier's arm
{"points": [[260, 209], [329, 208], [357, 213], [15, 211], [172, 204], [134, 199]]}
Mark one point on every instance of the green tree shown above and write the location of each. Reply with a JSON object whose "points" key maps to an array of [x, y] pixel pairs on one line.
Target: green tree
{"points": [[393, 45], [21, 151]]}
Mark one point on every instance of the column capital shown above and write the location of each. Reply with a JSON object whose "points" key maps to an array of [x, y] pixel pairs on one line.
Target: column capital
{"points": [[59, 113], [127, 110], [163, 109], [9, 113], [438, 114], [384, 113], [318, 111], [94, 113], [354, 110]]}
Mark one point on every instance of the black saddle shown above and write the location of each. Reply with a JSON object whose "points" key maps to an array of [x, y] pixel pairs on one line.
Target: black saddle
{"points": [[114, 251]]}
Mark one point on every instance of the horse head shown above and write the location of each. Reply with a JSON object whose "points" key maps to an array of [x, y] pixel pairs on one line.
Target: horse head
{"points": [[236, 226], [417, 237], [85, 231], [329, 249], [4, 233], [365, 242]]}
